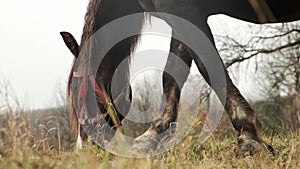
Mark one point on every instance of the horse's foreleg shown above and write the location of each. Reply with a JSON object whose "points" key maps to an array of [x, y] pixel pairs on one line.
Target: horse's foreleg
{"points": [[242, 116], [172, 86], [244, 120]]}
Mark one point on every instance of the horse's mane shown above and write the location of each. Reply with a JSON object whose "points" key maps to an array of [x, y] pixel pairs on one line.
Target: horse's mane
{"points": [[90, 20]]}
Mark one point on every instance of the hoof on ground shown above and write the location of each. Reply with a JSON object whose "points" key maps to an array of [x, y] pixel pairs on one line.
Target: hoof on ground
{"points": [[248, 147], [145, 144]]}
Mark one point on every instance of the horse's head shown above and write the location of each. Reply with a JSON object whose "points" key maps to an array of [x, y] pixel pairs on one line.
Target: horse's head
{"points": [[73, 46], [71, 43]]}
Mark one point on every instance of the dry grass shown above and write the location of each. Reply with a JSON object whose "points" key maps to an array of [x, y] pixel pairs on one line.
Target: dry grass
{"points": [[20, 149]]}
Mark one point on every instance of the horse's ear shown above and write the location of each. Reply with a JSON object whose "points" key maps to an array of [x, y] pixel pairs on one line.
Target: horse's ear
{"points": [[71, 43]]}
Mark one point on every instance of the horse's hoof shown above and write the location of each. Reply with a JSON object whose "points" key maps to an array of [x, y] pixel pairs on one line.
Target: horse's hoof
{"points": [[247, 147], [145, 144]]}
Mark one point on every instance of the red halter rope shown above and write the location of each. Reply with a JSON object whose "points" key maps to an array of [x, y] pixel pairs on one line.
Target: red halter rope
{"points": [[83, 89]]}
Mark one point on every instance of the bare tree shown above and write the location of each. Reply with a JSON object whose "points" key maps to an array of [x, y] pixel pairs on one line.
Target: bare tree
{"points": [[275, 52]]}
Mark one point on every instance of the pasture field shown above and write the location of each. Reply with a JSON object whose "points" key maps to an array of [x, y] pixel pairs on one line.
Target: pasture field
{"points": [[40, 139], [20, 150]]}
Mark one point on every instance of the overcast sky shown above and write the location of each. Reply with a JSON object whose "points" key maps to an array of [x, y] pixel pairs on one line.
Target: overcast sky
{"points": [[33, 57]]}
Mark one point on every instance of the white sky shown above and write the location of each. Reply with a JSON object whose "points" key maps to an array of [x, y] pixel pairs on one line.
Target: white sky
{"points": [[33, 56]]}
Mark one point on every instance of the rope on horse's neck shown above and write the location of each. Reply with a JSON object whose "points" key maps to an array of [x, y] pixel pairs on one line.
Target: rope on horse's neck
{"points": [[103, 99]]}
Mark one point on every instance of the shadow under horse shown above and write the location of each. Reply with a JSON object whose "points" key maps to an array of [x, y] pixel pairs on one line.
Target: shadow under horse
{"points": [[102, 12]]}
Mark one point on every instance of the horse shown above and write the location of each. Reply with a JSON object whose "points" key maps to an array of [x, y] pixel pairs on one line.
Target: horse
{"points": [[102, 12]]}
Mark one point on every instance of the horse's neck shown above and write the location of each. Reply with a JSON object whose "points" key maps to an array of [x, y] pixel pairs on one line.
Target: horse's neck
{"points": [[110, 10], [195, 10]]}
